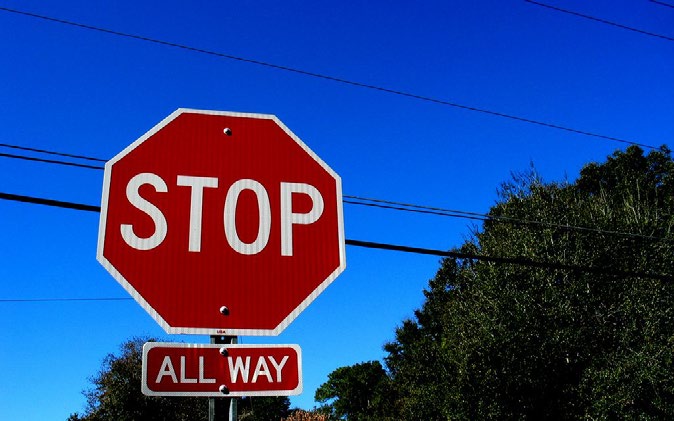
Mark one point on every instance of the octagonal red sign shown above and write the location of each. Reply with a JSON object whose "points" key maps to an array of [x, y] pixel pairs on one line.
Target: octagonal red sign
{"points": [[221, 223]]}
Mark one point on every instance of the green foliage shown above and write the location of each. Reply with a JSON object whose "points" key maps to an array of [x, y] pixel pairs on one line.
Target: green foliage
{"points": [[116, 393], [496, 341], [356, 393], [263, 408], [302, 415]]}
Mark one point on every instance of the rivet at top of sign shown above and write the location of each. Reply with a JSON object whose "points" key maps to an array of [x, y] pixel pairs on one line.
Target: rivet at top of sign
{"points": [[227, 131]]}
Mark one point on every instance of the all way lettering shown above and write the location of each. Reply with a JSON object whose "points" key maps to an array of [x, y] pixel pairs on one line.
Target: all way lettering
{"points": [[221, 370], [240, 369]]}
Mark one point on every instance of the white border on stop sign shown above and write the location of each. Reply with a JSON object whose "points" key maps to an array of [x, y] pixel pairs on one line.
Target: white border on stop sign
{"points": [[215, 330]]}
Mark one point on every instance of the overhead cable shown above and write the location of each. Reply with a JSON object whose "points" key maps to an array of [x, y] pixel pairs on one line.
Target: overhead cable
{"points": [[50, 161], [604, 21], [662, 3], [49, 202], [48, 152], [325, 77], [42, 300], [386, 204], [521, 261], [392, 205]]}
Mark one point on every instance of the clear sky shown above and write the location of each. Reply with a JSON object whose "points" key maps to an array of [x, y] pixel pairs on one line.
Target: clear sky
{"points": [[79, 91]]}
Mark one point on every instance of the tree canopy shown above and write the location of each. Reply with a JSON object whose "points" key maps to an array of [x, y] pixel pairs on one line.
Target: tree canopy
{"points": [[582, 327], [356, 392], [116, 394]]}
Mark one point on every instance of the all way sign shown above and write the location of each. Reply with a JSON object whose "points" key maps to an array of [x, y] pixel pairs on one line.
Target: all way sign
{"points": [[175, 369]]}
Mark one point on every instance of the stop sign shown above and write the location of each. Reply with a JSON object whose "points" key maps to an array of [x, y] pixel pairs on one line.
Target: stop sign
{"points": [[221, 223]]}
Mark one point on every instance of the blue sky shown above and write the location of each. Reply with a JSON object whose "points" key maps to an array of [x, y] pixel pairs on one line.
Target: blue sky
{"points": [[74, 90]]}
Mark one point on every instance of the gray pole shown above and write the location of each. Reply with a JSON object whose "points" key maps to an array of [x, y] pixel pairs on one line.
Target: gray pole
{"points": [[233, 415], [212, 415]]}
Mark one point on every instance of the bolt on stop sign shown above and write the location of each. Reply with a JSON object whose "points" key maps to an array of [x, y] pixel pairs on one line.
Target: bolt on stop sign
{"points": [[221, 223]]}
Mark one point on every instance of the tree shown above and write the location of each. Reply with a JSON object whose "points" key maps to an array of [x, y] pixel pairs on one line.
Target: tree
{"points": [[263, 408], [116, 395], [302, 415], [587, 333], [356, 393]]}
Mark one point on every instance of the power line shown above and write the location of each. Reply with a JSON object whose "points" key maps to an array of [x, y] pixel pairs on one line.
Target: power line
{"points": [[49, 202], [398, 206], [387, 204], [53, 153], [43, 300], [662, 3], [48, 152], [50, 161], [604, 21], [325, 77], [521, 261]]}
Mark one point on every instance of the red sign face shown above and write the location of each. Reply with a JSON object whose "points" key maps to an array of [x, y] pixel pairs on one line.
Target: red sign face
{"points": [[221, 223], [172, 369]]}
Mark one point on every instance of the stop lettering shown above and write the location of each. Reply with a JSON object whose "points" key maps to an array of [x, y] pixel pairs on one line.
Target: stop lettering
{"points": [[287, 217]]}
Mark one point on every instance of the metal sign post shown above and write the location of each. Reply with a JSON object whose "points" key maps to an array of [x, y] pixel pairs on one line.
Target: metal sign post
{"points": [[212, 415]]}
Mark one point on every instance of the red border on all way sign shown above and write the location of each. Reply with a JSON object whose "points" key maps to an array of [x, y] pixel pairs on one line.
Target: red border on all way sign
{"points": [[174, 369]]}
